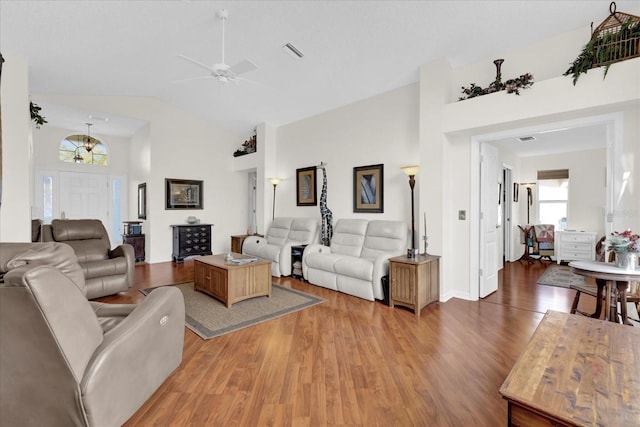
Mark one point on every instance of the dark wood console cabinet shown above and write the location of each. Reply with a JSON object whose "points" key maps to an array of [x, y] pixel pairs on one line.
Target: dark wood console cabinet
{"points": [[189, 240], [132, 235]]}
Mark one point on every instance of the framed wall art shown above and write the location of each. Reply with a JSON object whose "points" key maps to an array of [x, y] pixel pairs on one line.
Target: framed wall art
{"points": [[368, 189], [183, 194], [306, 193], [142, 201]]}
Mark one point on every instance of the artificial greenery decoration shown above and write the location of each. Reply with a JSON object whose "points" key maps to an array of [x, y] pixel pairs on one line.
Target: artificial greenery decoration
{"points": [[249, 146], [511, 86], [606, 50], [35, 115]]}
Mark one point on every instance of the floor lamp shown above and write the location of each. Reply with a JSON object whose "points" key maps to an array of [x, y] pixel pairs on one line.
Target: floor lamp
{"points": [[274, 182], [411, 172]]}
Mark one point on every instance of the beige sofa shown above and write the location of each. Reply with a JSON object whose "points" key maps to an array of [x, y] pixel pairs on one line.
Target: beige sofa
{"points": [[106, 271], [357, 258], [67, 361], [276, 244]]}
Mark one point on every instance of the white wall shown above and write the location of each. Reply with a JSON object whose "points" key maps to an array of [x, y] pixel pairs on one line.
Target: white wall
{"points": [[586, 206], [415, 124], [139, 163], [17, 171], [382, 129], [549, 100], [180, 146], [46, 142], [627, 207], [545, 59]]}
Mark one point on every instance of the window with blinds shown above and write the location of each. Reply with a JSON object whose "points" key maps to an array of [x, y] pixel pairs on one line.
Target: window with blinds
{"points": [[553, 197]]}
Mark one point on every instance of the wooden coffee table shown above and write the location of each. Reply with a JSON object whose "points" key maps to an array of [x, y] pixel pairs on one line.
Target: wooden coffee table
{"points": [[576, 371], [230, 282]]}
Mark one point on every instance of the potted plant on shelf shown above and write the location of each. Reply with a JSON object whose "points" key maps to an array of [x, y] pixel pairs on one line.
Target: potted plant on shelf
{"points": [[617, 38], [34, 109]]}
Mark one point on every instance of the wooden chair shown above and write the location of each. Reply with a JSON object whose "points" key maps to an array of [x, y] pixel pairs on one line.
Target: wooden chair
{"points": [[544, 240]]}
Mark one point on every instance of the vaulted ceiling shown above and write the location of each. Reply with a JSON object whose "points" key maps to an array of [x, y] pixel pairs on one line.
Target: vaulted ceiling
{"points": [[352, 49]]}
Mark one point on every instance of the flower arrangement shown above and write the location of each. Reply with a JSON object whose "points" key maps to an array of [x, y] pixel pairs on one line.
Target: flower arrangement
{"points": [[624, 241]]}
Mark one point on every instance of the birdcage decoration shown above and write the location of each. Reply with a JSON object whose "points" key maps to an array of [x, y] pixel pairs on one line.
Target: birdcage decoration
{"points": [[617, 38]]}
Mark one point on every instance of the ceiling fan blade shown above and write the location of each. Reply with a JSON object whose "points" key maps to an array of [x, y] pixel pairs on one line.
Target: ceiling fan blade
{"points": [[243, 66], [253, 82], [196, 62], [193, 78]]}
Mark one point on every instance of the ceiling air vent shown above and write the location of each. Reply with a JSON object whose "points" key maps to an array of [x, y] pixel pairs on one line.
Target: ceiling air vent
{"points": [[527, 138], [293, 51]]}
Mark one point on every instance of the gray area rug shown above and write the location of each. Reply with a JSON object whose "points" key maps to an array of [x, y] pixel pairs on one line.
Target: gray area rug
{"points": [[559, 275], [209, 318]]}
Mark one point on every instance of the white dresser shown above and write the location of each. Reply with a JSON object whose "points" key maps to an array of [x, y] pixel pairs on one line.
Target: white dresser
{"points": [[575, 245]]}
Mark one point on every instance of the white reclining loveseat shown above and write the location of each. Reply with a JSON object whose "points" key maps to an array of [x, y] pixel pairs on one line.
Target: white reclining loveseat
{"points": [[357, 258], [276, 245]]}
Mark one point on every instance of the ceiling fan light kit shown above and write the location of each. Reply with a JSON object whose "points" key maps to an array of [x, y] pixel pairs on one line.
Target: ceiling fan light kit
{"points": [[90, 142]]}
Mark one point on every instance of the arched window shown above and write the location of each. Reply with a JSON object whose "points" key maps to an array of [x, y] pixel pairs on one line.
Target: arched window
{"points": [[83, 149]]}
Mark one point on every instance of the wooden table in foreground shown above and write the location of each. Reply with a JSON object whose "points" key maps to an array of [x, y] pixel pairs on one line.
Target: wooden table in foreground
{"points": [[229, 282], [576, 371]]}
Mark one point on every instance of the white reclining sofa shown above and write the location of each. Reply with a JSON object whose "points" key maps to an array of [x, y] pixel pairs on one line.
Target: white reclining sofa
{"points": [[276, 245], [357, 258]]}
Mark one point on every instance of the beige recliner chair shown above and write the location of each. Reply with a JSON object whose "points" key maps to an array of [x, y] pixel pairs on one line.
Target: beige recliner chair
{"points": [[106, 271], [66, 361]]}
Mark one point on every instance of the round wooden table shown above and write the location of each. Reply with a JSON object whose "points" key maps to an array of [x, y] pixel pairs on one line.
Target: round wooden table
{"points": [[608, 275]]}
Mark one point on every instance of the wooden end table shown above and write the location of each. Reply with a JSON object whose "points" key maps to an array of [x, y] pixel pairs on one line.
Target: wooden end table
{"points": [[237, 241], [230, 282], [296, 261], [414, 282]]}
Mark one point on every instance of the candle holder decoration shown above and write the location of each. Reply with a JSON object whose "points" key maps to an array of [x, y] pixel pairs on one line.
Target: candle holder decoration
{"points": [[425, 238]]}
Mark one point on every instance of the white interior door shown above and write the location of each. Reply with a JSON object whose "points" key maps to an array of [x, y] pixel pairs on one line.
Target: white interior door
{"points": [[84, 196], [490, 172]]}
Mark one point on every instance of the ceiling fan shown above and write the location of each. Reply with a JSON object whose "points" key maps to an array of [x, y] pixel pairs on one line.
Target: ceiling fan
{"points": [[222, 72]]}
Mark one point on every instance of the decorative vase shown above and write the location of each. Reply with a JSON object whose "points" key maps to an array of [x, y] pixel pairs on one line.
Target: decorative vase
{"points": [[627, 260], [498, 63]]}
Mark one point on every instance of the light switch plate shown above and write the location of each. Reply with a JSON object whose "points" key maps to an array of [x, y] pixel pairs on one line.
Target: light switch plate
{"points": [[462, 215]]}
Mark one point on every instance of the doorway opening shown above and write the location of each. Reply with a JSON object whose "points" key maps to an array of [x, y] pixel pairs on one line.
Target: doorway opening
{"points": [[506, 196], [612, 124], [81, 195]]}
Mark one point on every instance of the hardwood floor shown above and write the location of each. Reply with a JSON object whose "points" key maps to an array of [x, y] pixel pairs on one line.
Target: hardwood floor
{"points": [[354, 362]]}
